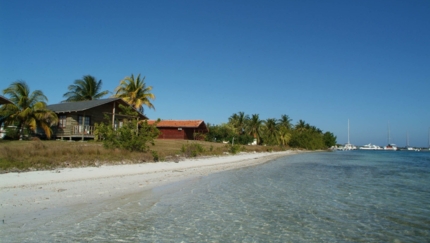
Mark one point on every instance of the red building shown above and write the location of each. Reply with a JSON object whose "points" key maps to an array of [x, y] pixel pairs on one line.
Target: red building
{"points": [[181, 129]]}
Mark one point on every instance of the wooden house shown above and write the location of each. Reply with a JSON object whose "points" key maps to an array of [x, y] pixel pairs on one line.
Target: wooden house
{"points": [[76, 119], [181, 129]]}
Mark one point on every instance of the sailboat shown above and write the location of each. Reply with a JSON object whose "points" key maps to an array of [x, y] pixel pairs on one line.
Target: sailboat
{"points": [[349, 146], [390, 146], [407, 143]]}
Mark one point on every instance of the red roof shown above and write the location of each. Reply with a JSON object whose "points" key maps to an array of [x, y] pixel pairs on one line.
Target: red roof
{"points": [[178, 123]]}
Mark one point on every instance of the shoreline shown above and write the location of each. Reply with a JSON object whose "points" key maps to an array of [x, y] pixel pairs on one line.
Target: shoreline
{"points": [[38, 194]]}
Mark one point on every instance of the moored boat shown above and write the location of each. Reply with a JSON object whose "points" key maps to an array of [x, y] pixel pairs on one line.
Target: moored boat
{"points": [[391, 147], [349, 146], [370, 147]]}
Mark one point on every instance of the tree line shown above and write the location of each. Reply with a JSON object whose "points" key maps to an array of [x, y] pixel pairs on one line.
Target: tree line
{"points": [[28, 110], [244, 129]]}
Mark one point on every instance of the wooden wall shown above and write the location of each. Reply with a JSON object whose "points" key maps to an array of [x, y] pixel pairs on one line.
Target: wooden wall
{"points": [[97, 115], [174, 133], [171, 133]]}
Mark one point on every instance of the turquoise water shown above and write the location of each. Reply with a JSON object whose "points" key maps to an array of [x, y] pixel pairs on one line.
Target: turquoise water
{"points": [[351, 196]]}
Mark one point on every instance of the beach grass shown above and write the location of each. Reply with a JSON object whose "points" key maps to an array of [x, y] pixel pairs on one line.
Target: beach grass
{"points": [[16, 156]]}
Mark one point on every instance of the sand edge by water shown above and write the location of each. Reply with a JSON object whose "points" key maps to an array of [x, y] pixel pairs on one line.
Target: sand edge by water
{"points": [[24, 195]]}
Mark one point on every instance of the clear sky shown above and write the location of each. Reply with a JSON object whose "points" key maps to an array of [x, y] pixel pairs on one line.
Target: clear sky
{"points": [[320, 61]]}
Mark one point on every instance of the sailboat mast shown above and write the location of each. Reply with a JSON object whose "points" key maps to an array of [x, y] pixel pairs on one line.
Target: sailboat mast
{"points": [[348, 131], [388, 127], [407, 139]]}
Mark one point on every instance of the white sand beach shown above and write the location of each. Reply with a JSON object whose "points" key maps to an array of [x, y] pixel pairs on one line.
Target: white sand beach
{"points": [[26, 197]]}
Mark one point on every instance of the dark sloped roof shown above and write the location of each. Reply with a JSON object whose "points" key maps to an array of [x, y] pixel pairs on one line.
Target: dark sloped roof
{"points": [[4, 100], [85, 105], [80, 105]]}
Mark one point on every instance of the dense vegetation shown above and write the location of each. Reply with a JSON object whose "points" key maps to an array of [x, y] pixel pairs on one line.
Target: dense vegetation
{"points": [[243, 129], [132, 135], [27, 112]]}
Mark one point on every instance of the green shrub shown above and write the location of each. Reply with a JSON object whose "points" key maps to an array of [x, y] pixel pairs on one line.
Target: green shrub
{"points": [[155, 156], [234, 149], [12, 133], [127, 137], [192, 149]]}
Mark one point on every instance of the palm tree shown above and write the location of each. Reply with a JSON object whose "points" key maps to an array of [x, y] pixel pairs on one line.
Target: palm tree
{"points": [[315, 129], [301, 125], [28, 110], [86, 88], [284, 135], [254, 127], [271, 131], [285, 121], [239, 121], [135, 92]]}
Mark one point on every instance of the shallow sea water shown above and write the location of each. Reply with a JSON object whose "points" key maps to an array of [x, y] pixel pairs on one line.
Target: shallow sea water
{"points": [[351, 196]]}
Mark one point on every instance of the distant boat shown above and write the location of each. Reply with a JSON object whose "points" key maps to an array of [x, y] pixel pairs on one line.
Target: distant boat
{"points": [[390, 146], [348, 146], [409, 148], [370, 147]]}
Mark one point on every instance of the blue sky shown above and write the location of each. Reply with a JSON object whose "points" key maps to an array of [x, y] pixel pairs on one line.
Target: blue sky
{"points": [[320, 61]]}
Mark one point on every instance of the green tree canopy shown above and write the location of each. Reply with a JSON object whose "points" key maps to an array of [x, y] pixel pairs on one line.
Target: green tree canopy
{"points": [[285, 121], [135, 92], [28, 109], [87, 88], [329, 139], [239, 121], [306, 136], [255, 126], [271, 132]]}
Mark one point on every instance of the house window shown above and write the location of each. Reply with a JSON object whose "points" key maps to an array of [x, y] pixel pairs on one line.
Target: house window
{"points": [[62, 121], [86, 120]]}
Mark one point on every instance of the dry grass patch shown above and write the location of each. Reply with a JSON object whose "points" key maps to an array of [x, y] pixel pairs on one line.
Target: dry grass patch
{"points": [[43, 155]]}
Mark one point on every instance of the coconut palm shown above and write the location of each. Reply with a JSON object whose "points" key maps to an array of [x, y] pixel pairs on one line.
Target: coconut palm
{"points": [[284, 135], [271, 131], [255, 126], [239, 121], [28, 110], [301, 126], [87, 88], [135, 92], [315, 129], [285, 121]]}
